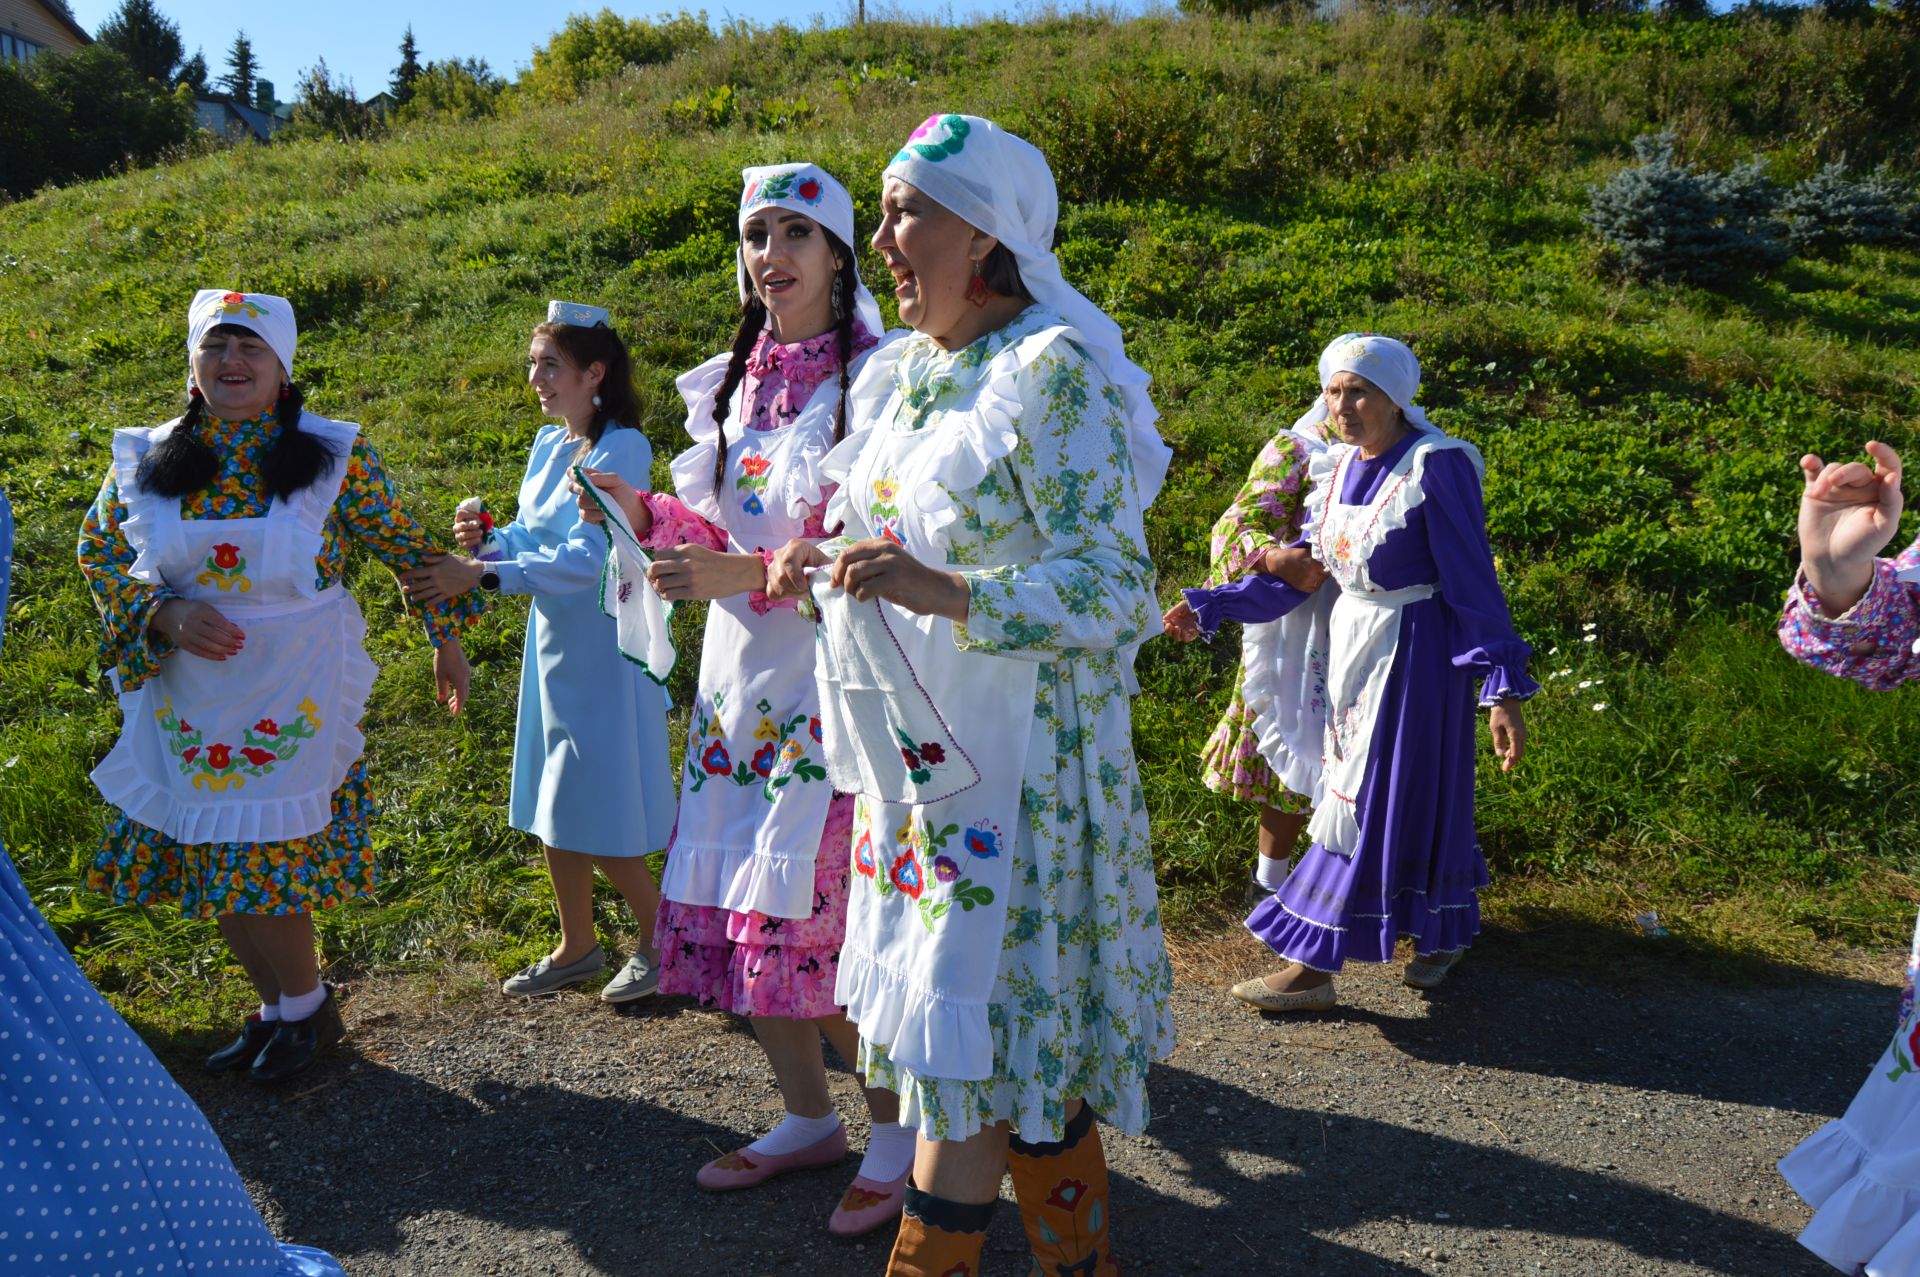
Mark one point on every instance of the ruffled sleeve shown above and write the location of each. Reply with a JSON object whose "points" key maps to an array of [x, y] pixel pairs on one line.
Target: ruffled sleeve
{"points": [[126, 602], [1873, 642], [1483, 636], [693, 468], [1061, 428]]}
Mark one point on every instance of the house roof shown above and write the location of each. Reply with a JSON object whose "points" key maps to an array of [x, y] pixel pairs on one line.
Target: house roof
{"points": [[59, 14]]}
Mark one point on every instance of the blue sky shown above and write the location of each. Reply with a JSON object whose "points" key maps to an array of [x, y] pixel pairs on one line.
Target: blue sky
{"points": [[361, 38]]}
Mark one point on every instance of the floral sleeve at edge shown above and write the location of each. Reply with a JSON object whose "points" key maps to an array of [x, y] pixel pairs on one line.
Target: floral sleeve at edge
{"points": [[125, 602], [1265, 513], [1872, 642], [372, 515]]}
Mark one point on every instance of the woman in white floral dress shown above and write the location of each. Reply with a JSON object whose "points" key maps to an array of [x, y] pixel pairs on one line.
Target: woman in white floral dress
{"points": [[1009, 981]]}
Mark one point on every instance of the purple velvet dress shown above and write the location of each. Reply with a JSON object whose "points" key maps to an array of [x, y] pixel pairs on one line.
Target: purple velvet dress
{"points": [[1418, 869]]}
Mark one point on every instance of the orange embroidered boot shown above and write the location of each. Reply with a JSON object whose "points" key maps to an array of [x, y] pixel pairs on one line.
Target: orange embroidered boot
{"points": [[1063, 1201], [939, 1238]]}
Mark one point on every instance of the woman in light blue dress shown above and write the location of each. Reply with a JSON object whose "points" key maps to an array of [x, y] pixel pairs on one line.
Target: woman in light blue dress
{"points": [[153, 1191], [591, 773]]}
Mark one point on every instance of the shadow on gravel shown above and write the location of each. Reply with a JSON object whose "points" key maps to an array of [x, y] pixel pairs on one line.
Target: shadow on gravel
{"points": [[1261, 1198]]}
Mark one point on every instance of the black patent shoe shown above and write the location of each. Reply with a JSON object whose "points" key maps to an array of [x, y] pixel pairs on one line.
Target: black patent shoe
{"points": [[295, 1044], [243, 1050]]}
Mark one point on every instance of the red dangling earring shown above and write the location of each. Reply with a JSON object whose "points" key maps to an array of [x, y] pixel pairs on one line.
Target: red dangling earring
{"points": [[977, 291], [193, 392]]}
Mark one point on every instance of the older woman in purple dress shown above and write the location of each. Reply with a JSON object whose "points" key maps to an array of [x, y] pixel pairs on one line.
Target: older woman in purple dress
{"points": [[1413, 617]]}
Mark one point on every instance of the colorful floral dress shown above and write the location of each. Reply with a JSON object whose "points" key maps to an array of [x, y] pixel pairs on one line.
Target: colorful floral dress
{"points": [[1861, 1174], [745, 960], [79, 1078], [1266, 514], [1041, 488], [141, 865]]}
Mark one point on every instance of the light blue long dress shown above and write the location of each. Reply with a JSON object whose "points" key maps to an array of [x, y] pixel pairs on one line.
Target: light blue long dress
{"points": [[591, 772], [106, 1166]]}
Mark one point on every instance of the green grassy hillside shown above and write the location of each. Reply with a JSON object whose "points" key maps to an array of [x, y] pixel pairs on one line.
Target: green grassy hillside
{"points": [[1236, 194]]}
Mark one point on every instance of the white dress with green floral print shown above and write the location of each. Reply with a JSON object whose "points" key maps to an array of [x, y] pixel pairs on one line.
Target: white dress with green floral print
{"points": [[1042, 486]]}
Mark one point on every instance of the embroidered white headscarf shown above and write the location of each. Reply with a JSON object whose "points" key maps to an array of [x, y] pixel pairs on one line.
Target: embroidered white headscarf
{"points": [[271, 317], [811, 190], [1387, 363], [1000, 184]]}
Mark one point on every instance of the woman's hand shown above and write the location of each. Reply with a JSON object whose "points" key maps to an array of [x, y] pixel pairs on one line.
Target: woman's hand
{"points": [[439, 578], [621, 493], [787, 573], [1848, 513], [469, 529], [684, 572], [197, 628], [1509, 733], [882, 569], [452, 676], [1181, 622], [1295, 565]]}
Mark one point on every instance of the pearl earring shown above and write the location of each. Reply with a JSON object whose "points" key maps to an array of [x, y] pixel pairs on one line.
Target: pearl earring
{"points": [[596, 401]]}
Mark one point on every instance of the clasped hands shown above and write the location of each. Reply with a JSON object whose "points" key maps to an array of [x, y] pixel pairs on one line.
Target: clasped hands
{"points": [[1848, 513], [873, 569], [1293, 564]]}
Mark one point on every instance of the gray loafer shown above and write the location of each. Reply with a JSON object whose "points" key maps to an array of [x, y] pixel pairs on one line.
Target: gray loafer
{"points": [[544, 977], [638, 979]]}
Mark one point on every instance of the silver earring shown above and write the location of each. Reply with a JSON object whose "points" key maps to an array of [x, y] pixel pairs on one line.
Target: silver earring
{"points": [[596, 401], [839, 298]]}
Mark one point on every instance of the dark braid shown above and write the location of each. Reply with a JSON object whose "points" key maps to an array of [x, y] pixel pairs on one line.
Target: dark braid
{"points": [[753, 318], [848, 282], [184, 463]]}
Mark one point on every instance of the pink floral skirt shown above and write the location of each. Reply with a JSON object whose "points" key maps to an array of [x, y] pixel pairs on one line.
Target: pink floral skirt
{"points": [[751, 964]]}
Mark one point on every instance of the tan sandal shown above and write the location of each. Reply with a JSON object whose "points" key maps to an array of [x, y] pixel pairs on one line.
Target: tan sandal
{"points": [[1255, 993]]}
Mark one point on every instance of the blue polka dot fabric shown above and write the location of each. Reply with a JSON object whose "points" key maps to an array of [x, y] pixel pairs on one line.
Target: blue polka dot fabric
{"points": [[107, 1169]]}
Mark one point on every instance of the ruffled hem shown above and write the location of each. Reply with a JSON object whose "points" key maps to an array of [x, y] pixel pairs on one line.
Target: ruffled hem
{"points": [[788, 981], [1859, 1225], [1031, 1081], [780, 886], [305, 1261], [1367, 937], [921, 1029], [126, 786]]}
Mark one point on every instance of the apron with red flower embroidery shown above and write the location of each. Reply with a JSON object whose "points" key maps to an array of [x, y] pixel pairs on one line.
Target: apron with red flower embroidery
{"points": [[753, 790], [927, 918], [251, 748]]}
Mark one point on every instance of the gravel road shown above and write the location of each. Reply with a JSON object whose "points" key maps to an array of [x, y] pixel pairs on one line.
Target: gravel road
{"points": [[1512, 1123]]}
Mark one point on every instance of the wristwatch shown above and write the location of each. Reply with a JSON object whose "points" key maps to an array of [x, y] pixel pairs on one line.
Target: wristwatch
{"points": [[490, 580]]}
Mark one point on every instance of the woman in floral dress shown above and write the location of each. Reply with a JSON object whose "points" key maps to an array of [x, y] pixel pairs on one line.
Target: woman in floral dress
{"points": [[1257, 534], [754, 898], [1004, 958], [1857, 617], [215, 553]]}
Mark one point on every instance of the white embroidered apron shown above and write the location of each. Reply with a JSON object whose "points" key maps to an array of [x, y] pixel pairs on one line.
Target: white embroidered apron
{"points": [[753, 789], [928, 913], [252, 748], [1363, 629]]}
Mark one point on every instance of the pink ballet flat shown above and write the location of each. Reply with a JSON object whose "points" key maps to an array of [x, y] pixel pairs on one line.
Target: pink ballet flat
{"points": [[744, 1167], [867, 1204]]}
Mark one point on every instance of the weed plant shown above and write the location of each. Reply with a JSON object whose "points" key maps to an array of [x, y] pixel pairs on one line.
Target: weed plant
{"points": [[1235, 193]]}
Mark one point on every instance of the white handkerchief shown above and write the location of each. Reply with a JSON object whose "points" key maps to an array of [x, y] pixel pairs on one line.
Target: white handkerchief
{"points": [[640, 616]]}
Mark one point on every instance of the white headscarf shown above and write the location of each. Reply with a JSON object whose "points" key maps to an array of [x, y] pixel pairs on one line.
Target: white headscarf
{"points": [[1387, 363], [1001, 184], [811, 190], [269, 316]]}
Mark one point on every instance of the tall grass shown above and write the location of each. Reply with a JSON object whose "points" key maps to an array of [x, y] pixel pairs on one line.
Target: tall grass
{"points": [[1235, 193]]}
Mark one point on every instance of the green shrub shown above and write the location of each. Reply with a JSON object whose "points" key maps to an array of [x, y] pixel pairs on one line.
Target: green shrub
{"points": [[1665, 220], [1829, 211], [601, 46]]}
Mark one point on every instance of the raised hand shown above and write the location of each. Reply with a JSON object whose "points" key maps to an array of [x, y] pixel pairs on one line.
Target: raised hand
{"points": [[621, 493], [1848, 513], [468, 528]]}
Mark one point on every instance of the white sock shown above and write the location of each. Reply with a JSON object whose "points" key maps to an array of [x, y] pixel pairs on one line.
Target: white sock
{"points": [[795, 1133], [269, 1011], [299, 1006], [1271, 872], [889, 1152]]}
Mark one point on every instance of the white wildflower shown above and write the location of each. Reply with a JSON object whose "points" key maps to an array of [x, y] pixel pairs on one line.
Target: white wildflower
{"points": [[1591, 625], [1554, 652], [1589, 638], [1585, 683], [1598, 706]]}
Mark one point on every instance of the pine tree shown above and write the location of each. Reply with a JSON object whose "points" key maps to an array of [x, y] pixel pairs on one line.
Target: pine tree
{"points": [[241, 69], [145, 37], [193, 73], [407, 72]]}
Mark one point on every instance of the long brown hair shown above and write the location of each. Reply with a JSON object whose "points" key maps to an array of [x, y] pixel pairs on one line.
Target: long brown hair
{"points": [[582, 347]]}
